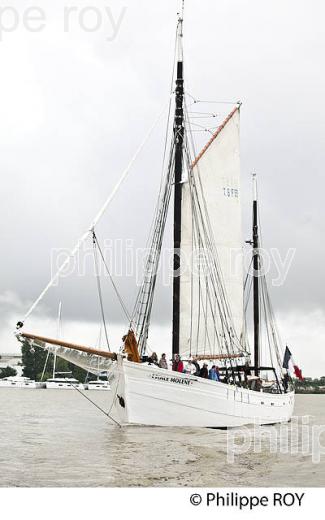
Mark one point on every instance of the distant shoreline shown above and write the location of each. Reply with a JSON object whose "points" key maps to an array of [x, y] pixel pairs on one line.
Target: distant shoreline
{"points": [[311, 392]]}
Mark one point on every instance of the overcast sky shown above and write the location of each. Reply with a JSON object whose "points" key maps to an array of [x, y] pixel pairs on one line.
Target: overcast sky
{"points": [[75, 105]]}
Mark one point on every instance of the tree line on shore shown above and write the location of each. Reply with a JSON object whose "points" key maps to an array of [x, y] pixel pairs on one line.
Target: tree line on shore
{"points": [[34, 359], [33, 363], [310, 386]]}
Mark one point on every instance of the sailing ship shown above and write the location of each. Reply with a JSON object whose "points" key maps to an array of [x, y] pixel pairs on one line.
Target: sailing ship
{"points": [[210, 302]]}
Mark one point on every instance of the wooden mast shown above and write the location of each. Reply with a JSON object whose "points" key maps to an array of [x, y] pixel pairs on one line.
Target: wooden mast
{"points": [[256, 281], [178, 168]]}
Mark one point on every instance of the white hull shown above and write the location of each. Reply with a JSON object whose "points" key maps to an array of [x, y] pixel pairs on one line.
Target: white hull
{"points": [[64, 385], [158, 397], [18, 383], [97, 386]]}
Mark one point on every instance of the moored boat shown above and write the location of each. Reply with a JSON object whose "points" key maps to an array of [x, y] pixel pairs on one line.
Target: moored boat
{"points": [[63, 383], [18, 382], [98, 384]]}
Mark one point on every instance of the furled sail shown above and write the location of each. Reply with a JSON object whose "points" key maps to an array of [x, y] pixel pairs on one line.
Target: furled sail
{"points": [[93, 360], [90, 362], [214, 183]]}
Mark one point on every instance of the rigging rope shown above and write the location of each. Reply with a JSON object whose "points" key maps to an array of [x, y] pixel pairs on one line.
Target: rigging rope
{"points": [[143, 305], [97, 406], [119, 297], [45, 365], [99, 289], [195, 101]]}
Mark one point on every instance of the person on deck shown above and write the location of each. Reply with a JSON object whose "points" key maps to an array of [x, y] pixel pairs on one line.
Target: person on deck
{"points": [[217, 374], [197, 370], [285, 381], [163, 361], [153, 359], [259, 385], [204, 371], [247, 373], [213, 373], [178, 364]]}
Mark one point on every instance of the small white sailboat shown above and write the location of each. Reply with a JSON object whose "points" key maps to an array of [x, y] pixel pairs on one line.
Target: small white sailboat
{"points": [[101, 382], [209, 322], [59, 380]]}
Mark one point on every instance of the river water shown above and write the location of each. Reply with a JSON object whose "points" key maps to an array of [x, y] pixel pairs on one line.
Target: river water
{"points": [[56, 438]]}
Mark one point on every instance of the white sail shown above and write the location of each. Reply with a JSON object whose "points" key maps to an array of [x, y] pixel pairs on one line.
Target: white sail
{"points": [[89, 362], [217, 171], [93, 360]]}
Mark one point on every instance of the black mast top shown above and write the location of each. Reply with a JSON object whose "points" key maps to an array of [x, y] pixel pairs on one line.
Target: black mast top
{"points": [[256, 281], [179, 142]]}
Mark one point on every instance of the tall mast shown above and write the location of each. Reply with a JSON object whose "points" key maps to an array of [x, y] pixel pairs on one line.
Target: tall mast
{"points": [[256, 281], [58, 335], [179, 140]]}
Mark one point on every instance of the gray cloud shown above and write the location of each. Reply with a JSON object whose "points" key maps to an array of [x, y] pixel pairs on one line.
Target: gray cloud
{"points": [[74, 108]]}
